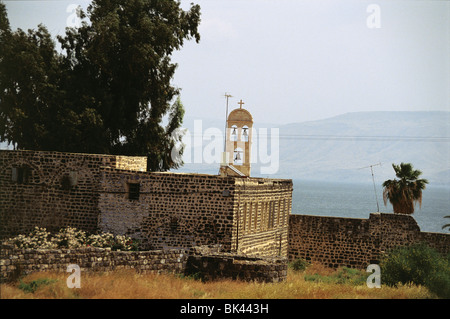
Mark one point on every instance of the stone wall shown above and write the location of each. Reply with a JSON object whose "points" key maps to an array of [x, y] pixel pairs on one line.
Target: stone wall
{"points": [[108, 193], [355, 243], [132, 163], [17, 262], [244, 215], [262, 212], [206, 266], [53, 189], [215, 266], [170, 211]]}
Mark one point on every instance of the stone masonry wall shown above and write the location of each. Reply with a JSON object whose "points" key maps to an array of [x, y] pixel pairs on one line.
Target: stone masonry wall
{"points": [[248, 216], [262, 210], [53, 189], [207, 266], [355, 243], [17, 262], [231, 266], [115, 194], [170, 210], [132, 163]]}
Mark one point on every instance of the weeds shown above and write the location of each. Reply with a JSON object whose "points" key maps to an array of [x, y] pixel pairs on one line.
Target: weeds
{"points": [[343, 275], [298, 264], [316, 282], [33, 285]]}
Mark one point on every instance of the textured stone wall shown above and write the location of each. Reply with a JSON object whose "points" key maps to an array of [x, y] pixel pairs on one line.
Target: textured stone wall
{"points": [[248, 216], [355, 243], [17, 262], [196, 262], [52, 189], [172, 210], [228, 266], [262, 210], [132, 163], [106, 193]]}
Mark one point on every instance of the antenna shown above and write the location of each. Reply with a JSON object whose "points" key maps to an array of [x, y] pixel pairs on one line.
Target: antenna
{"points": [[227, 96], [373, 179]]}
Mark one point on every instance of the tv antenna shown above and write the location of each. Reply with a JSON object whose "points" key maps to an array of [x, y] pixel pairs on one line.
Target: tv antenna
{"points": [[373, 179], [227, 96]]}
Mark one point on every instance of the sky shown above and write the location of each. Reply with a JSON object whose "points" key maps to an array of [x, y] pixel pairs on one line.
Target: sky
{"points": [[299, 60]]}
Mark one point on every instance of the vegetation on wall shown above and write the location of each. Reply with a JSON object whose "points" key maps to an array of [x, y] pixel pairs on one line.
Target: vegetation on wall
{"points": [[70, 237]]}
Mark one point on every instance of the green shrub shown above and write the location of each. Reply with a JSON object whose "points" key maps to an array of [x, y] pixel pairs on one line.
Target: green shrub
{"points": [[342, 275], [418, 264], [351, 276], [299, 264], [32, 286]]}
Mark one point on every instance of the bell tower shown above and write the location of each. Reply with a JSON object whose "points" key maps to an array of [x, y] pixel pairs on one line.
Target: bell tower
{"points": [[237, 155]]}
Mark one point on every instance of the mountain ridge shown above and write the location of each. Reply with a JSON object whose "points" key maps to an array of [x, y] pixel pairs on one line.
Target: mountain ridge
{"points": [[337, 148]]}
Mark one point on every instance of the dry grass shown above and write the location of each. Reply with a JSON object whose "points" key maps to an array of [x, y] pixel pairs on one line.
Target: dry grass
{"points": [[129, 285]]}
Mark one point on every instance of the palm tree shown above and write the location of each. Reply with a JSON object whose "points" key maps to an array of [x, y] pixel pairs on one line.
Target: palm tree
{"points": [[405, 192]]}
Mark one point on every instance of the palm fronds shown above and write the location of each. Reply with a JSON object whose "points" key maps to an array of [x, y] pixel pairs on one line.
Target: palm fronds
{"points": [[406, 191]]}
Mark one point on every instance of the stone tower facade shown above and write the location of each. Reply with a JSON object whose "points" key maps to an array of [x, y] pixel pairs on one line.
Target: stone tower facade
{"points": [[238, 143]]}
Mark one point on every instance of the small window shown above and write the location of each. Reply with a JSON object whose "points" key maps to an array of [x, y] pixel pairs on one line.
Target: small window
{"points": [[173, 224], [21, 175], [69, 180], [133, 191]]}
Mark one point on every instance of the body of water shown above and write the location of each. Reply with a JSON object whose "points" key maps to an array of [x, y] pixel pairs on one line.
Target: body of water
{"points": [[358, 201]]}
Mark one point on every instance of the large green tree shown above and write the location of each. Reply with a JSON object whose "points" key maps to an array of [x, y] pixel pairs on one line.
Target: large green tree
{"points": [[28, 76], [108, 91], [403, 193]]}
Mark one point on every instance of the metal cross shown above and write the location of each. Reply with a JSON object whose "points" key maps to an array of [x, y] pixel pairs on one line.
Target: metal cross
{"points": [[240, 103]]}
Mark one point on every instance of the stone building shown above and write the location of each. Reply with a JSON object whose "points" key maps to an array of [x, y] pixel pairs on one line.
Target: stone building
{"points": [[109, 193]]}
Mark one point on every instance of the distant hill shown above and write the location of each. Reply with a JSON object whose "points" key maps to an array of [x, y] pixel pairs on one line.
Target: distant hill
{"points": [[338, 148]]}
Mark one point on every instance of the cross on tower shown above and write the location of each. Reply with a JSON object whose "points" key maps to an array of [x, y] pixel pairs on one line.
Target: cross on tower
{"points": [[240, 103]]}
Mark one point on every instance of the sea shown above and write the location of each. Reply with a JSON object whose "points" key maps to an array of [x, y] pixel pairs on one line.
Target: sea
{"points": [[354, 200]]}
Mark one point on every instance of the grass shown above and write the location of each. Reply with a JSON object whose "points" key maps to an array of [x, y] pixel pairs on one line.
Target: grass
{"points": [[315, 282]]}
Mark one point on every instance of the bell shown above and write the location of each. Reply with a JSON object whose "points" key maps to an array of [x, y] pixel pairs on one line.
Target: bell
{"points": [[238, 157], [245, 132], [234, 131]]}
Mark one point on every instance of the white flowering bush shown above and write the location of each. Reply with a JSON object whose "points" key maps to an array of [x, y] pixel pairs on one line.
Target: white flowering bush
{"points": [[70, 237], [106, 240], [39, 238]]}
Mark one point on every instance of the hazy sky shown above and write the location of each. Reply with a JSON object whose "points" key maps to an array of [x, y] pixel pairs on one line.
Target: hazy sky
{"points": [[296, 60]]}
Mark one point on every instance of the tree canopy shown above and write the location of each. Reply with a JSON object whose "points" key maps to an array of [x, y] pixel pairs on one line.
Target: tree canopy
{"points": [[107, 90], [405, 191]]}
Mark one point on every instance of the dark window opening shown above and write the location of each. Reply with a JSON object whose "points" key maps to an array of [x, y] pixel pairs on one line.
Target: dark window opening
{"points": [[69, 180], [133, 191], [173, 223], [21, 175]]}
